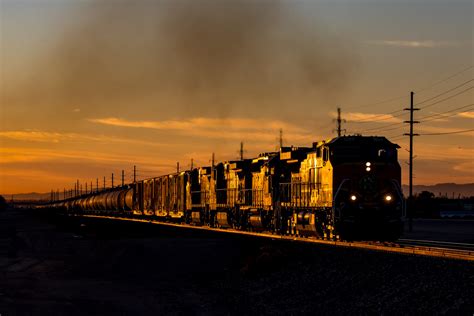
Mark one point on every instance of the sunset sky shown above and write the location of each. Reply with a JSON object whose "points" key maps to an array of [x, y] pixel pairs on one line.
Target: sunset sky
{"points": [[93, 87]]}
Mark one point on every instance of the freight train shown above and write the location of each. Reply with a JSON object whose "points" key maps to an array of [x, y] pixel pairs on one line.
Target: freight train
{"points": [[345, 188]]}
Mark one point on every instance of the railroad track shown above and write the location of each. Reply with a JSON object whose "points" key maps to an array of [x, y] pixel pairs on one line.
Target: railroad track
{"points": [[460, 251], [436, 244]]}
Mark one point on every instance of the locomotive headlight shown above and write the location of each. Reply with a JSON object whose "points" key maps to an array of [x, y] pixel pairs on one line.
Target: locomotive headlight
{"points": [[367, 164], [388, 198], [367, 169], [353, 197]]}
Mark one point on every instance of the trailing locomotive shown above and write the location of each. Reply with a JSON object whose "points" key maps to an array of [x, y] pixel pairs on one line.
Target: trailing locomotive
{"points": [[344, 188]]}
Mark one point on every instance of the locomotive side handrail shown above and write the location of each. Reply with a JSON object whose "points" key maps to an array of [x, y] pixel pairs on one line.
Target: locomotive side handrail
{"points": [[400, 196], [333, 209]]}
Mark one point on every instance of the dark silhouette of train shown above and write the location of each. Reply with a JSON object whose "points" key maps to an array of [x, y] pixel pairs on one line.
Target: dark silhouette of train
{"points": [[345, 188]]}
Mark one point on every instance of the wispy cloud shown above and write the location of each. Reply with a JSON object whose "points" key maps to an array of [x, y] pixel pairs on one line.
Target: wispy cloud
{"points": [[26, 155], [467, 166], [414, 43], [60, 137], [368, 117], [466, 114], [225, 128]]}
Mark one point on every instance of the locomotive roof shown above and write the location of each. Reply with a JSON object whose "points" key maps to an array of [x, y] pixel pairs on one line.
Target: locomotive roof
{"points": [[362, 140]]}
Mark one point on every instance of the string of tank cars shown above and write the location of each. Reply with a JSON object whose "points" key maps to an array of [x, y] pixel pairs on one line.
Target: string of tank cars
{"points": [[460, 251]]}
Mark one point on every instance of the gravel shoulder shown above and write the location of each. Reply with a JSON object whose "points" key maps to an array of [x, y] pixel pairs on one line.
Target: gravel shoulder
{"points": [[48, 266]]}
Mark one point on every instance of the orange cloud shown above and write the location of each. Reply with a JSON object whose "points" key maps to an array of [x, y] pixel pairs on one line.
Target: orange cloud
{"points": [[466, 114], [57, 137], [226, 128], [358, 117]]}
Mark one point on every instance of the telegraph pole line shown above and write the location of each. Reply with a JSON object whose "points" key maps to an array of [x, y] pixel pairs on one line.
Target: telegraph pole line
{"points": [[123, 177], [134, 174], [339, 121], [281, 137], [410, 164], [241, 150]]}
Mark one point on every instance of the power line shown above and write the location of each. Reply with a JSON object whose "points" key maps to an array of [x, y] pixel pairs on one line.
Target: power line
{"points": [[441, 115], [448, 133], [445, 99], [436, 116], [426, 106], [447, 91], [418, 91], [445, 79], [371, 120], [380, 128]]}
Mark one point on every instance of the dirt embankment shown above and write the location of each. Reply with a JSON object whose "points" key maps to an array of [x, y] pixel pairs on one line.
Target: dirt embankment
{"points": [[120, 268]]}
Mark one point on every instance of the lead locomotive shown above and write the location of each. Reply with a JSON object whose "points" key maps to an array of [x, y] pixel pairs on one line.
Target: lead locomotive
{"points": [[347, 188]]}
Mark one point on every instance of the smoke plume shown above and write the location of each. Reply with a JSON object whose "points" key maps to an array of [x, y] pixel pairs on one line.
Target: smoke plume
{"points": [[191, 58]]}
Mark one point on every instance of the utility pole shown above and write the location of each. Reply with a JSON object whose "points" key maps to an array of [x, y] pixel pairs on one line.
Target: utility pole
{"points": [[410, 164], [281, 137], [104, 182], [112, 180], [123, 177], [242, 150], [97, 184], [86, 188], [192, 163], [91, 187], [134, 173], [339, 121], [177, 167], [78, 187], [212, 166]]}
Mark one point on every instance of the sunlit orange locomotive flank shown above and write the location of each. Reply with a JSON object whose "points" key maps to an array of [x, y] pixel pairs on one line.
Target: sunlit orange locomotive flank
{"points": [[345, 188]]}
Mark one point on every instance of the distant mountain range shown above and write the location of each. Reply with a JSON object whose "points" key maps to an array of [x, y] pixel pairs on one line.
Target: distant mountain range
{"points": [[440, 189], [444, 189], [33, 196]]}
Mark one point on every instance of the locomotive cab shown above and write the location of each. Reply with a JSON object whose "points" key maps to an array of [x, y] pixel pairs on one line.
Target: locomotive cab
{"points": [[367, 194]]}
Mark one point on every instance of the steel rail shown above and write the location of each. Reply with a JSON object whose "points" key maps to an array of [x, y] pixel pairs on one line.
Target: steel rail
{"points": [[439, 252], [437, 243]]}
